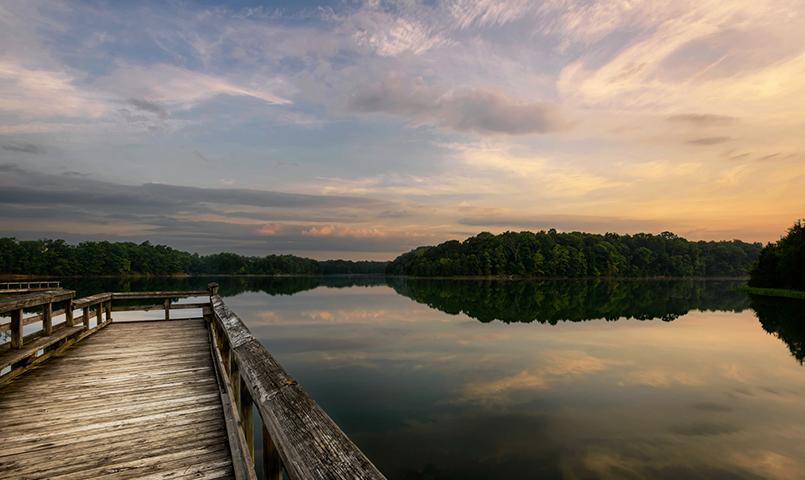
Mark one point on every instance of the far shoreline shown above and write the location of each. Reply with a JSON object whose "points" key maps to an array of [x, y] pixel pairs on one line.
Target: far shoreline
{"points": [[138, 276], [774, 292]]}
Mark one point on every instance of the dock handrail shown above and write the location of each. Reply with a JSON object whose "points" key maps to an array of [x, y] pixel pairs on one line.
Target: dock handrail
{"points": [[298, 437], [17, 287], [302, 439], [22, 352]]}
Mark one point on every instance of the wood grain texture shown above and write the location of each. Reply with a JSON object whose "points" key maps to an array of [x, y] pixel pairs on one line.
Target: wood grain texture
{"points": [[15, 302], [131, 401]]}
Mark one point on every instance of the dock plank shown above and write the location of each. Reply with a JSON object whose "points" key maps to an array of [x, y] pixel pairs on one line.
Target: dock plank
{"points": [[136, 400]]}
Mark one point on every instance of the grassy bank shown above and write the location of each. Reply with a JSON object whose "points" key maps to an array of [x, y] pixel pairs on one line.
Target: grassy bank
{"points": [[775, 292]]}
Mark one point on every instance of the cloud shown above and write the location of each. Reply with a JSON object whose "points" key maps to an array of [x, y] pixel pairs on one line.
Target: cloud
{"points": [[37, 93], [389, 35], [27, 187], [256, 91], [194, 218], [342, 231], [738, 58], [705, 141], [701, 119], [467, 110], [468, 13], [170, 85], [24, 148], [148, 106], [704, 429]]}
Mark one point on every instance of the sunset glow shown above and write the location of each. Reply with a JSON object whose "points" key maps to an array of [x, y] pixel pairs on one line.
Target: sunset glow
{"points": [[365, 129]]}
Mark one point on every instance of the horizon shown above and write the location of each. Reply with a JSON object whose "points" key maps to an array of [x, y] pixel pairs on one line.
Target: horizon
{"points": [[388, 260], [361, 130]]}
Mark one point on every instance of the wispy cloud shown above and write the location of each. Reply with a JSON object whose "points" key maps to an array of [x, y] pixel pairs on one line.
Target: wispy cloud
{"points": [[31, 148], [705, 141], [480, 111], [701, 119]]}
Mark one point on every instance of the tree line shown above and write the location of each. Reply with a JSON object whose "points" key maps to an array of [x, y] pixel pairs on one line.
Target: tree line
{"points": [[782, 264], [576, 254], [524, 254], [57, 257]]}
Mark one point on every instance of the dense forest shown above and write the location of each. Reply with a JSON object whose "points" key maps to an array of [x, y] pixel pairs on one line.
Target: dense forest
{"points": [[782, 264], [554, 254], [524, 254], [57, 257]]}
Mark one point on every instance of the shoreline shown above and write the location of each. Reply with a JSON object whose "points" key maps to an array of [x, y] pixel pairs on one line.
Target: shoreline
{"points": [[775, 292], [20, 277]]}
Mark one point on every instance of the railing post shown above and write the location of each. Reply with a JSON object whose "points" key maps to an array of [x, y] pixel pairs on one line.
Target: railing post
{"points": [[212, 287], [272, 464], [245, 405], [225, 357], [167, 309], [99, 313], [108, 311], [47, 318], [68, 313], [86, 318], [234, 379], [16, 329]]}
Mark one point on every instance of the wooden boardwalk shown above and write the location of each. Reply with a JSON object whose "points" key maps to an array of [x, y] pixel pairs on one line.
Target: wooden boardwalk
{"points": [[134, 400]]}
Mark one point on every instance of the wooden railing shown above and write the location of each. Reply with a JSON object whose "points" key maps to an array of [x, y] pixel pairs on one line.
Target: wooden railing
{"points": [[17, 287], [297, 439], [21, 351]]}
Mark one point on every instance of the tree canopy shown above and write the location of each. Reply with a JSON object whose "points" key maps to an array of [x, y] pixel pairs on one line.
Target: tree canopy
{"points": [[575, 254], [782, 264], [57, 257]]}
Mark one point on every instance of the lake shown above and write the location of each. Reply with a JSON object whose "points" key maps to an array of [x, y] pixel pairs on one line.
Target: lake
{"points": [[471, 379]]}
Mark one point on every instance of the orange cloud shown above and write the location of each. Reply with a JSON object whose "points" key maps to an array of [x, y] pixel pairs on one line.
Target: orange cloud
{"points": [[342, 231]]}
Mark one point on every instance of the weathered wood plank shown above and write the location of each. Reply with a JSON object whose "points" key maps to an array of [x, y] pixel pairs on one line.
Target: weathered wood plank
{"points": [[137, 308], [4, 327], [242, 463], [13, 356], [33, 299], [92, 300], [133, 401], [113, 436], [154, 295]]}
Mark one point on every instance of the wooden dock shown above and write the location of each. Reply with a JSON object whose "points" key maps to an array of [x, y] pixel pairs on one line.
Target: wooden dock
{"points": [[165, 399]]}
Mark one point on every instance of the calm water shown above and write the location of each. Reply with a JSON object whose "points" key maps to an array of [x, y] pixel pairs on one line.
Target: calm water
{"points": [[574, 380]]}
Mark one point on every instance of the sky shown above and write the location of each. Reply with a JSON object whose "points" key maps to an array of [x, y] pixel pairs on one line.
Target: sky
{"points": [[362, 129]]}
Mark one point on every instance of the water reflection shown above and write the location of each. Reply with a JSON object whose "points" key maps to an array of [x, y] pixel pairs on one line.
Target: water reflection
{"points": [[572, 300], [785, 319]]}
